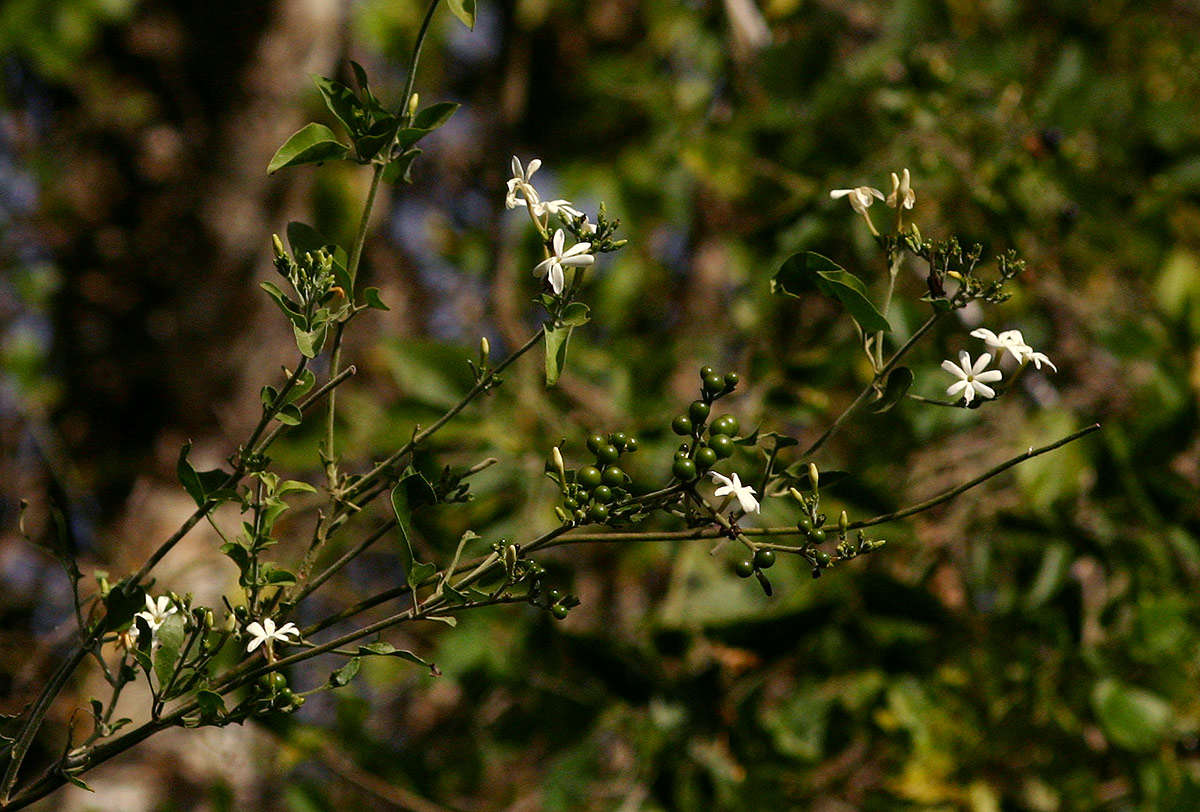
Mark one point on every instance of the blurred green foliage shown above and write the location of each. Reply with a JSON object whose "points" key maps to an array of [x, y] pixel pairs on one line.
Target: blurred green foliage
{"points": [[1033, 646]]}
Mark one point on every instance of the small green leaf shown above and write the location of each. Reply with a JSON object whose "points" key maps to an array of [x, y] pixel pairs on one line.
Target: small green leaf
{"points": [[346, 673], [1133, 719], [464, 10], [289, 415], [894, 390], [414, 571], [380, 135], [310, 342], [200, 485], [556, 351], [342, 102], [169, 639], [212, 706], [314, 143], [400, 169], [576, 314], [434, 116], [289, 308], [371, 297], [382, 649], [808, 270], [291, 485], [303, 238]]}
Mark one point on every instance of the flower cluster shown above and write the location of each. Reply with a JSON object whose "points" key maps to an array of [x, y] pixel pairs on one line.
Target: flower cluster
{"points": [[521, 192], [156, 612], [974, 378], [861, 197]]}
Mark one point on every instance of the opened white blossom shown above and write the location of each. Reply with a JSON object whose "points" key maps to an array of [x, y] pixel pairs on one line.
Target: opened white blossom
{"points": [[521, 184], [973, 379], [157, 612], [861, 197], [552, 267], [733, 486], [556, 207], [1013, 342], [266, 632], [902, 192]]}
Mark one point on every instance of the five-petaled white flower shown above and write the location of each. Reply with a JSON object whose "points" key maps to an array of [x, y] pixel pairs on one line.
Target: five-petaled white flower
{"points": [[972, 380], [266, 632], [734, 486], [156, 612], [902, 192], [556, 207], [520, 183], [552, 267], [1014, 342], [861, 197]]}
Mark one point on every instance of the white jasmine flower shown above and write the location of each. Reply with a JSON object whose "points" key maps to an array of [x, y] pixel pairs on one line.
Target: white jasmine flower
{"points": [[1014, 342], [552, 266], [734, 486], [520, 184], [266, 632], [972, 380], [902, 193], [156, 612], [861, 197], [556, 207]]}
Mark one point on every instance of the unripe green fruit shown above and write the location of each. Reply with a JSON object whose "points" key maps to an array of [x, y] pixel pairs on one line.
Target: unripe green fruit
{"points": [[274, 682], [764, 559], [602, 494], [682, 425], [805, 525], [684, 470], [619, 439], [816, 536], [731, 380], [722, 445], [631, 444], [554, 595], [580, 515], [713, 384], [614, 476], [607, 453], [559, 611], [598, 513], [595, 442], [705, 372], [589, 476], [744, 568], [705, 458], [570, 504], [725, 424], [698, 411], [823, 558]]}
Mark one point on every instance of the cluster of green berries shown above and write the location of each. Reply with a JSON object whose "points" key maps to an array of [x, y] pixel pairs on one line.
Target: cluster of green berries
{"points": [[708, 441], [552, 600], [763, 559], [276, 695], [596, 489]]}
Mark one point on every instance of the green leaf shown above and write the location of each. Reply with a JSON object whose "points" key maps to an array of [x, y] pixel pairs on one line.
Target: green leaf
{"points": [[289, 415], [576, 314], [434, 116], [894, 390], [310, 342], [291, 485], [212, 706], [382, 649], [200, 485], [314, 143], [380, 135], [400, 169], [414, 571], [289, 308], [464, 10], [346, 673], [303, 238], [1133, 719], [556, 351], [166, 655], [371, 297], [808, 270], [121, 603], [342, 102]]}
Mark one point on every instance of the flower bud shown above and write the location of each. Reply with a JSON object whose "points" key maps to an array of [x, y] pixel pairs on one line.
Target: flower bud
{"points": [[558, 465], [843, 523], [485, 349], [813, 475], [413, 101], [278, 243]]}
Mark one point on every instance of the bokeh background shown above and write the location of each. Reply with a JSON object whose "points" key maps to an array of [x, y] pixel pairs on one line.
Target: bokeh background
{"points": [[1032, 646]]}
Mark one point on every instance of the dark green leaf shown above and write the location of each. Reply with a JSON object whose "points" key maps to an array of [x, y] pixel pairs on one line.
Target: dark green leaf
{"points": [[289, 415], [371, 297], [310, 342], [342, 102], [388, 650], [556, 351], [807, 270], [166, 655], [894, 390], [414, 571], [315, 143], [400, 169], [303, 238], [1133, 719], [381, 135], [201, 485], [283, 302], [346, 673], [576, 314], [212, 706], [464, 10], [434, 116]]}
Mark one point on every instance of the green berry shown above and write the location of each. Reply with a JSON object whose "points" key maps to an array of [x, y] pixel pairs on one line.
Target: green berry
{"points": [[731, 380], [274, 682], [705, 458], [823, 558], [764, 559], [619, 439], [713, 384], [682, 425], [631, 444], [607, 453], [553, 595], [559, 611], [602, 494], [580, 515], [684, 470], [598, 513], [725, 424], [595, 442], [589, 476], [722, 445], [614, 476], [570, 504], [698, 411], [805, 525], [744, 568], [816, 536], [705, 372]]}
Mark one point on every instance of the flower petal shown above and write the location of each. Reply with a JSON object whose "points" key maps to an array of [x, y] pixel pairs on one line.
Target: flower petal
{"points": [[954, 369], [990, 376]]}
